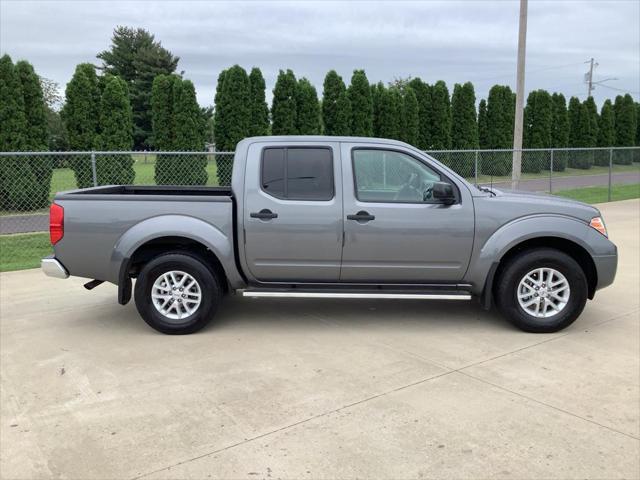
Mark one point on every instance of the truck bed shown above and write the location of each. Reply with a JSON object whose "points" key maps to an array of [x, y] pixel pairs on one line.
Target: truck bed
{"points": [[103, 225], [153, 190]]}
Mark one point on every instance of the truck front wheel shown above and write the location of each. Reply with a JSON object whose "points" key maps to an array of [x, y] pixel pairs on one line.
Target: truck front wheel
{"points": [[177, 293], [541, 290]]}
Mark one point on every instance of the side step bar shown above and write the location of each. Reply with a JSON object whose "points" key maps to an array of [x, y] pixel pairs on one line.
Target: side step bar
{"points": [[371, 295]]}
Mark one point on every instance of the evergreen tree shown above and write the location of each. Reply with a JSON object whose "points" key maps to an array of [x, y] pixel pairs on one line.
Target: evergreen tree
{"points": [[336, 108], [36, 133], [579, 134], [464, 125], [233, 118], [592, 109], [162, 113], [625, 121], [559, 131], [359, 94], [138, 58], [440, 122], [500, 118], [483, 139], [606, 133], [410, 117], [218, 127], [16, 177], [464, 128], [259, 124], [190, 169], [390, 111], [377, 92], [81, 115], [636, 157], [116, 134], [307, 109], [538, 122], [284, 110], [423, 95]]}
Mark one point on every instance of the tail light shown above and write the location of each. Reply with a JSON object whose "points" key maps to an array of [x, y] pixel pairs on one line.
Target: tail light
{"points": [[56, 223]]}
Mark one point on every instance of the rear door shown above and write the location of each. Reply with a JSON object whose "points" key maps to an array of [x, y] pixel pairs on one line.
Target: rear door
{"points": [[394, 231], [293, 212]]}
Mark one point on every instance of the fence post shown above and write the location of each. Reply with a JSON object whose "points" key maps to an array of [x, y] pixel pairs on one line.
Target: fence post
{"points": [[551, 173], [475, 167], [610, 169], [94, 170]]}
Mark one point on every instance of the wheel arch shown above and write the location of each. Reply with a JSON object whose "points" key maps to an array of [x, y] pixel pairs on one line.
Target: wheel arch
{"points": [[564, 245], [172, 232]]}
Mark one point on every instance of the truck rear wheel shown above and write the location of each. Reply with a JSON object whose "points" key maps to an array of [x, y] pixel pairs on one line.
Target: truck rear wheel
{"points": [[541, 290], [177, 294]]}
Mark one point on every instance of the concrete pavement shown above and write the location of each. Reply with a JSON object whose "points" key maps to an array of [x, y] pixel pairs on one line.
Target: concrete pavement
{"points": [[319, 389]]}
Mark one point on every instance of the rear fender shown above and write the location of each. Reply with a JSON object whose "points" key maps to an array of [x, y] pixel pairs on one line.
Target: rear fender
{"points": [[173, 226]]}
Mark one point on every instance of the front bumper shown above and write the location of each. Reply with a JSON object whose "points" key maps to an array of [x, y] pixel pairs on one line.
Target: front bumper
{"points": [[53, 268], [606, 266]]}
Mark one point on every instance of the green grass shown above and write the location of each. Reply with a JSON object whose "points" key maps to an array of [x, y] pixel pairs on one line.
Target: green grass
{"points": [[600, 194], [24, 250], [144, 167], [567, 172]]}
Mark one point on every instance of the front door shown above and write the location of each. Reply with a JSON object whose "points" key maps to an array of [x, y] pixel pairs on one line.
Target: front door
{"points": [[394, 231], [293, 212]]}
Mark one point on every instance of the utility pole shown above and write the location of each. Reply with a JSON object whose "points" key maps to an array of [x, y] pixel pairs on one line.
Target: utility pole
{"points": [[517, 127], [589, 76]]}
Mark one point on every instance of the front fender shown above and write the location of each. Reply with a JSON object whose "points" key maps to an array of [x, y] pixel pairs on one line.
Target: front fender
{"points": [[489, 254], [213, 238]]}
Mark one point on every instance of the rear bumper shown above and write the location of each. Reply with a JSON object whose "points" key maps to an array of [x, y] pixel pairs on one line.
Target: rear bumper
{"points": [[53, 268]]}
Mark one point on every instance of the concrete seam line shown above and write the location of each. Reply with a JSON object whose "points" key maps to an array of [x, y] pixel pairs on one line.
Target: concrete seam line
{"points": [[295, 424], [617, 317], [549, 405]]}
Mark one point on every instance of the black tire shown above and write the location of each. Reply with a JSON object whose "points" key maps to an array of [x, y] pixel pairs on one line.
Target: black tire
{"points": [[210, 290], [506, 289]]}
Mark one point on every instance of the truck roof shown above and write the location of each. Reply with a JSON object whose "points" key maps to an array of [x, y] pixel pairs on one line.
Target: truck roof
{"points": [[322, 138]]}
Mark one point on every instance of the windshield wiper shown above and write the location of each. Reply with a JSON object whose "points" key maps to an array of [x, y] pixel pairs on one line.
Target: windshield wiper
{"points": [[485, 189]]}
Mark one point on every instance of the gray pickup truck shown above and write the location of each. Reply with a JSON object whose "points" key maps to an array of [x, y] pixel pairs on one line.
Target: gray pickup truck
{"points": [[333, 217]]}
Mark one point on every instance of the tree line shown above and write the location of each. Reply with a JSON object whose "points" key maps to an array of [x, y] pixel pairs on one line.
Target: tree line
{"points": [[136, 100]]}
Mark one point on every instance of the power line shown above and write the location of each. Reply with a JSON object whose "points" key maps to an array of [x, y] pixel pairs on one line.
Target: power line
{"points": [[620, 90]]}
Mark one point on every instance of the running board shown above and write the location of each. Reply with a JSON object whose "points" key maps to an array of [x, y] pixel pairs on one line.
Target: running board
{"points": [[370, 295]]}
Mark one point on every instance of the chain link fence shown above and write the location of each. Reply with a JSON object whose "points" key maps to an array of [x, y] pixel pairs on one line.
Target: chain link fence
{"points": [[29, 180]]}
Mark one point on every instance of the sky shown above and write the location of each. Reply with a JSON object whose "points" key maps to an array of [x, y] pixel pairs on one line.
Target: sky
{"points": [[455, 41]]}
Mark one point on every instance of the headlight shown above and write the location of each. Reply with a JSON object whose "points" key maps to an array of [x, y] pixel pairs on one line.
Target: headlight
{"points": [[598, 224]]}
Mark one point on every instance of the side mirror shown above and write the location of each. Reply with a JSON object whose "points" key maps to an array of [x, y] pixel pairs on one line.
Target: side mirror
{"points": [[443, 193]]}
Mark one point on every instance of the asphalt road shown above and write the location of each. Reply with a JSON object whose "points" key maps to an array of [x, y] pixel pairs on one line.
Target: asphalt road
{"points": [[319, 389], [40, 222]]}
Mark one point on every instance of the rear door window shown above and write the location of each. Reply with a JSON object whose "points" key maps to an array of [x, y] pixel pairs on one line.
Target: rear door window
{"points": [[298, 173]]}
